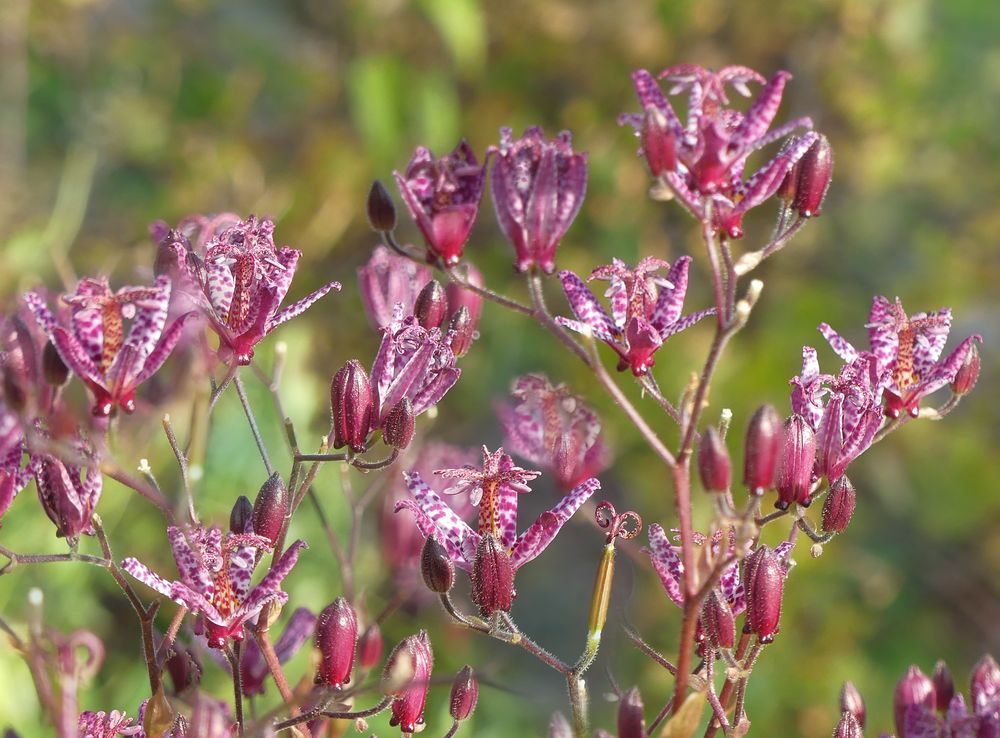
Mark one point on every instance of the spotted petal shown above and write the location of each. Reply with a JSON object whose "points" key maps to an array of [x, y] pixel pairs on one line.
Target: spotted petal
{"points": [[840, 345], [192, 569], [147, 576], [585, 306], [268, 588], [435, 518], [534, 540], [670, 301], [667, 563], [297, 308]]}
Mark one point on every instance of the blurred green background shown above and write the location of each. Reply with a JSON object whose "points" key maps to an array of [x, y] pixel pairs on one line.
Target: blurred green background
{"points": [[116, 113]]}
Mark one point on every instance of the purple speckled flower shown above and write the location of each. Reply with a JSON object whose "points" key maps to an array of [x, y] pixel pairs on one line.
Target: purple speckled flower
{"points": [[108, 725], [13, 478], [538, 186], [666, 560], [908, 350], [387, 279], [240, 283], [215, 574], [494, 488], [554, 429], [703, 160], [70, 489], [645, 308], [443, 197], [94, 342]]}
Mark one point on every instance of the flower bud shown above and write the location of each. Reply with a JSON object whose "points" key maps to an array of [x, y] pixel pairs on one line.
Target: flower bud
{"points": [[183, 668], [848, 727], [984, 686], [370, 646], [851, 701], [492, 577], [914, 690], [431, 306], [630, 715], [944, 686], [399, 424], [713, 461], [381, 210], [462, 330], [762, 449], [270, 508], [406, 677], [241, 516], [795, 464], [13, 389], [718, 621], [839, 506], [659, 144], [968, 372], [336, 639], [56, 372], [815, 170], [353, 404], [786, 190], [464, 694], [437, 568], [764, 584]]}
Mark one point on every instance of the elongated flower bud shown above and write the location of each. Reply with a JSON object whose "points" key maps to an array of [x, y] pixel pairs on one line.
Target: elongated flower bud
{"points": [[462, 329], [631, 723], [762, 449], [815, 171], [370, 647], [968, 373], [765, 584], [795, 466], [713, 461], [851, 701], [431, 306], [944, 685], [241, 516], [353, 403], [55, 370], [336, 639], [718, 621], [601, 596], [399, 424], [381, 210], [914, 690], [659, 145], [839, 506], [437, 569], [848, 727], [492, 577], [270, 508], [407, 677], [464, 694], [985, 683]]}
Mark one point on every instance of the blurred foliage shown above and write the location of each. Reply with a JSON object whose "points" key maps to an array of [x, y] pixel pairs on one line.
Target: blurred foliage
{"points": [[118, 112]]}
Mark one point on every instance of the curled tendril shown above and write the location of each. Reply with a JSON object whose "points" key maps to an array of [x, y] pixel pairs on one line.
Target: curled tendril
{"points": [[625, 526]]}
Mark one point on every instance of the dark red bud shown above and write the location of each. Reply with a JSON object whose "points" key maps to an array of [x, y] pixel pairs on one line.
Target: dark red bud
{"points": [[436, 567], [795, 464], [370, 647], [631, 723], [848, 727], [381, 210], [786, 190], [985, 683], [464, 694], [183, 668], [353, 404], [399, 424], [336, 639], [241, 516], [462, 330], [659, 145], [407, 677], [713, 461], [762, 449], [764, 585], [851, 701], [431, 306], [839, 506], [54, 369], [944, 685], [492, 577], [270, 508], [13, 392], [968, 373], [915, 689], [718, 621], [815, 171]]}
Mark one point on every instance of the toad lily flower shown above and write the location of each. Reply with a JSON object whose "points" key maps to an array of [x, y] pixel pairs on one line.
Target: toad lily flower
{"points": [[553, 428], [494, 488], [443, 197], [242, 283], [538, 187], [95, 344], [703, 160], [215, 578], [645, 309], [909, 348], [68, 490]]}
